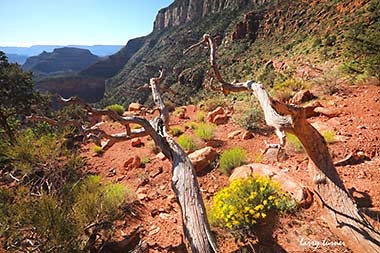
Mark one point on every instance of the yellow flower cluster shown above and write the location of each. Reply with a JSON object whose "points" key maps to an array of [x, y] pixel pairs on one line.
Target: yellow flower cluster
{"points": [[246, 202]]}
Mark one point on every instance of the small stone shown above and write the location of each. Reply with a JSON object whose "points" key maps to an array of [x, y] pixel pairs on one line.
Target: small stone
{"points": [[220, 119], [247, 135], [134, 107], [141, 196], [154, 230], [233, 134], [302, 97], [136, 142], [161, 156], [202, 158], [133, 162], [211, 115]]}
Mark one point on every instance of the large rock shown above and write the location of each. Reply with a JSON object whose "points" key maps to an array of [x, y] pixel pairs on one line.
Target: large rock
{"points": [[133, 162], [211, 115], [202, 158], [220, 119], [287, 183], [134, 107], [302, 96], [233, 134]]}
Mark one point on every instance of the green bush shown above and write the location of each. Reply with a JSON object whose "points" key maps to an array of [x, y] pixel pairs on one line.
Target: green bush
{"points": [[201, 116], [145, 161], [249, 202], [119, 109], [205, 131], [175, 131], [98, 150], [212, 103], [286, 89], [59, 220], [31, 151], [231, 159], [329, 136], [187, 142], [179, 110], [191, 125], [294, 142], [249, 117]]}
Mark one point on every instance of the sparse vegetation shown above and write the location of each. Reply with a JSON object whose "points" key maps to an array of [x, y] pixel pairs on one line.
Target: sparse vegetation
{"points": [[187, 142], [145, 161], [232, 158], [286, 89], [249, 117], [179, 110], [329, 136], [205, 131], [175, 131], [293, 142], [191, 125], [119, 109], [98, 150], [59, 220], [201, 116]]}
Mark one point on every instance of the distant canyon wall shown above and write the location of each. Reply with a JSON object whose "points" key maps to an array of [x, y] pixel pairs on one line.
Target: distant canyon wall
{"points": [[183, 11]]}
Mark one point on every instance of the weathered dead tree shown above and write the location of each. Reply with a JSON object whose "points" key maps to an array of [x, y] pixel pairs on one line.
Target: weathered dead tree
{"points": [[184, 181], [339, 210]]}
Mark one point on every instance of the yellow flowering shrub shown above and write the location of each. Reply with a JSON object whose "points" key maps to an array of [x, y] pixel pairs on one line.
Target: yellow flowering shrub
{"points": [[247, 202]]}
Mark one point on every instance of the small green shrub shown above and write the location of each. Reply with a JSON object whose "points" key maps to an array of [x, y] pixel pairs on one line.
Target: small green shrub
{"points": [[205, 131], [286, 89], [175, 131], [201, 116], [145, 161], [249, 202], [294, 142], [59, 220], [187, 142], [98, 150], [30, 150], [231, 159], [179, 110], [249, 117], [329, 136], [191, 125], [119, 109], [211, 104]]}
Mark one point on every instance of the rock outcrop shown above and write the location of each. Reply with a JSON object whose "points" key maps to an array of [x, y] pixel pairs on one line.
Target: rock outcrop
{"points": [[183, 11], [248, 28]]}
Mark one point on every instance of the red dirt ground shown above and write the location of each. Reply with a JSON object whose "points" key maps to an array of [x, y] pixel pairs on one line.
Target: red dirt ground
{"points": [[357, 129]]}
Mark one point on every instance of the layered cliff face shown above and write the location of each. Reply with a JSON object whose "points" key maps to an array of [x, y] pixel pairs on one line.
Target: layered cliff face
{"points": [[183, 11]]}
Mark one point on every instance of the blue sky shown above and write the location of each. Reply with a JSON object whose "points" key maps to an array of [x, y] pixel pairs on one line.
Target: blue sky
{"points": [[79, 22]]}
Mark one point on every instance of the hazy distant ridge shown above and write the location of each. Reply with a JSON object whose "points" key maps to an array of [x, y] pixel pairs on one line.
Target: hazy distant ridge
{"points": [[99, 50]]}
